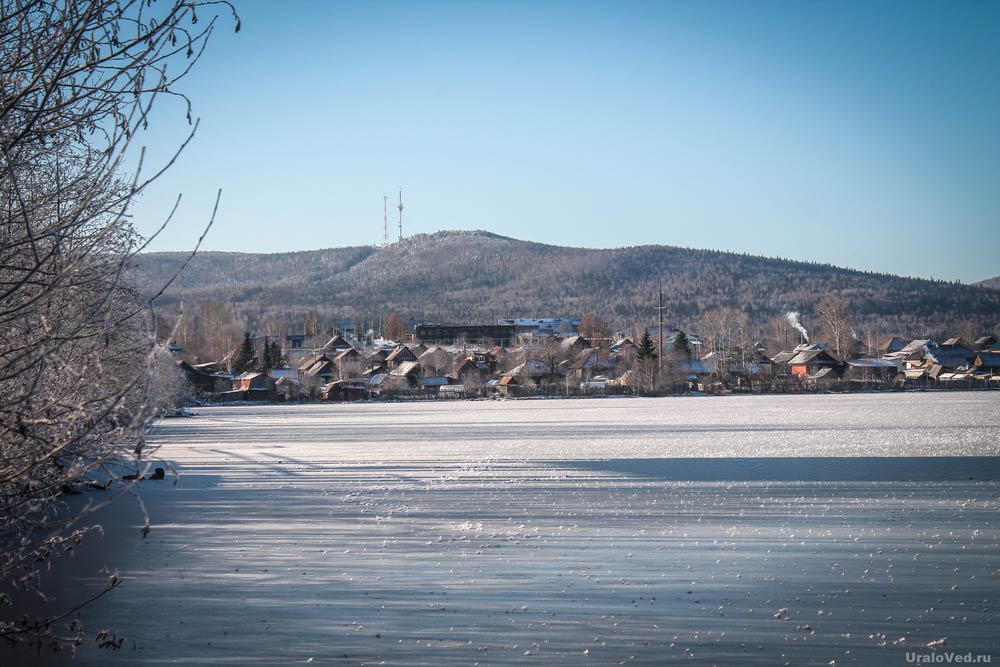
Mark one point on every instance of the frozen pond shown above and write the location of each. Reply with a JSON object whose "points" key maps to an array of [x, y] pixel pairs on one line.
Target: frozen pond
{"points": [[801, 530]]}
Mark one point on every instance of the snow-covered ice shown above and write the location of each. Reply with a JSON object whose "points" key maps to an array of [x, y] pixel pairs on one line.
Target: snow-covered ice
{"points": [[731, 530]]}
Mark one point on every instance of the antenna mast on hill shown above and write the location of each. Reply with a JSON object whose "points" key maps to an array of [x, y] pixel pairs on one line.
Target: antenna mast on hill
{"points": [[385, 220], [400, 207]]}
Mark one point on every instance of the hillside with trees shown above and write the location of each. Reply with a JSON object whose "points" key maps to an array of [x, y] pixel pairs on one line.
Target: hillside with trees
{"points": [[464, 277], [989, 282]]}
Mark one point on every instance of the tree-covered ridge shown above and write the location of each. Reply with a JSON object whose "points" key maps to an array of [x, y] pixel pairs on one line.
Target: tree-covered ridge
{"points": [[461, 277], [989, 282]]}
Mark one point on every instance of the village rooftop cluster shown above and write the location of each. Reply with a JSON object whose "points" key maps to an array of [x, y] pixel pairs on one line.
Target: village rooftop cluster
{"points": [[526, 357]]}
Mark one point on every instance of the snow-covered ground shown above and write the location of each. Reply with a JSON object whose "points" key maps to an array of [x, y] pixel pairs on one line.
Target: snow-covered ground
{"points": [[734, 531]]}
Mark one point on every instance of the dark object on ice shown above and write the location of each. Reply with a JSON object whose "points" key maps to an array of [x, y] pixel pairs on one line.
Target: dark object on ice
{"points": [[70, 490], [158, 473], [99, 486], [131, 477]]}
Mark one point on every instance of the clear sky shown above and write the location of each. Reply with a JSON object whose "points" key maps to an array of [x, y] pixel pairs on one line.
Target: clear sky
{"points": [[863, 134]]}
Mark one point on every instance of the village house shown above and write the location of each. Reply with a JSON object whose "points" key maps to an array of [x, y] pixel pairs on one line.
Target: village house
{"points": [[985, 343], [814, 363], [531, 373], [409, 372], [344, 390], [574, 345], [987, 366], [927, 360], [877, 371], [467, 371], [376, 361], [349, 363], [204, 378], [316, 370], [400, 355], [254, 386], [590, 364], [436, 360], [894, 344], [288, 388], [694, 372], [508, 386], [432, 384], [336, 345]]}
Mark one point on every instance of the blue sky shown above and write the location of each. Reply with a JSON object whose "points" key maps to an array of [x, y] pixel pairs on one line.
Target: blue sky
{"points": [[855, 133]]}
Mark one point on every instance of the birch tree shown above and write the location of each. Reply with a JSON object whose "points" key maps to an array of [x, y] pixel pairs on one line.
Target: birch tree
{"points": [[79, 80], [834, 314]]}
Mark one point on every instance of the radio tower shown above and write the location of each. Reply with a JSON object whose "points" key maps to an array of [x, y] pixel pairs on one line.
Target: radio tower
{"points": [[400, 207], [385, 220]]}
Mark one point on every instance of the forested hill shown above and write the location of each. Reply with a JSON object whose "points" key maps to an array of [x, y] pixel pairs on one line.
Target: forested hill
{"points": [[462, 277], [989, 282]]}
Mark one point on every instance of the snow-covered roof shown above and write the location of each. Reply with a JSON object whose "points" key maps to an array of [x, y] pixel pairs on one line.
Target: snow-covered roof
{"points": [[406, 368], [871, 363]]}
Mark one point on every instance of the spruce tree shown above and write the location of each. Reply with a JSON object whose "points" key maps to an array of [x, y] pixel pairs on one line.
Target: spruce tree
{"points": [[646, 348], [271, 357], [246, 356], [682, 345], [645, 366], [267, 360], [276, 358]]}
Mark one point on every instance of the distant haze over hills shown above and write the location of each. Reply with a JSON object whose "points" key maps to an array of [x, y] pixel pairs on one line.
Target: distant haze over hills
{"points": [[462, 277]]}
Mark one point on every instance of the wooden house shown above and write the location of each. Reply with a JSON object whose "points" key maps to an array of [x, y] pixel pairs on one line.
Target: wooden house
{"points": [[401, 354], [588, 363], [254, 386], [880, 371], [985, 343], [988, 364], [810, 362], [407, 370], [349, 363], [345, 390], [288, 388], [431, 384], [336, 345], [469, 371], [436, 361], [574, 345], [203, 378]]}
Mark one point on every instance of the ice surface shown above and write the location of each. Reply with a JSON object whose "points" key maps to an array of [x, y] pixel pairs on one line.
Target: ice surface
{"points": [[730, 530]]}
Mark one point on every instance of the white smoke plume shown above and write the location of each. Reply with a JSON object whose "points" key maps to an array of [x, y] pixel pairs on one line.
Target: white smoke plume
{"points": [[793, 319]]}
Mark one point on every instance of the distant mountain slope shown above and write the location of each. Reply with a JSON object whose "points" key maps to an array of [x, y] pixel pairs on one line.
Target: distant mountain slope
{"points": [[460, 277], [993, 283]]}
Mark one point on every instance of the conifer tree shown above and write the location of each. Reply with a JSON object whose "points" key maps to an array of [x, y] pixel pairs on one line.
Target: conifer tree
{"points": [[645, 363], [646, 350], [682, 346], [246, 356], [271, 355], [267, 360]]}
